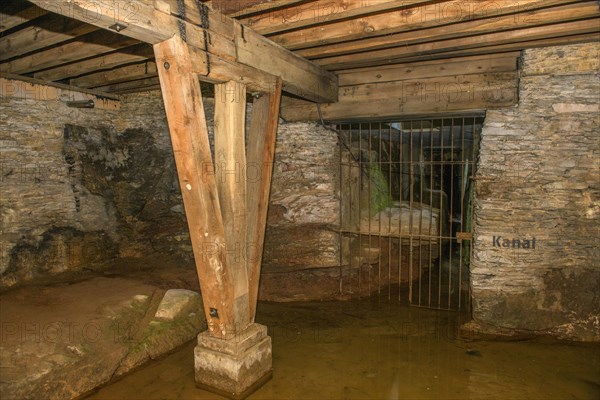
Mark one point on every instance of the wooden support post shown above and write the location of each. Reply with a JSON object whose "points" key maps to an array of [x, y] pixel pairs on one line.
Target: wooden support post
{"points": [[230, 168], [189, 137], [226, 216], [261, 148]]}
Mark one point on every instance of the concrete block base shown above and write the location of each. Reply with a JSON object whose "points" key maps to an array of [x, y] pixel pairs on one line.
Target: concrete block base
{"points": [[236, 367]]}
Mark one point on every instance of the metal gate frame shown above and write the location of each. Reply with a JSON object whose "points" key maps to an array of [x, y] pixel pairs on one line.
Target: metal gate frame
{"points": [[385, 172]]}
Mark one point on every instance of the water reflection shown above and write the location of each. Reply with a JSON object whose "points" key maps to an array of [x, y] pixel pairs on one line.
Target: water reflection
{"points": [[370, 350]]}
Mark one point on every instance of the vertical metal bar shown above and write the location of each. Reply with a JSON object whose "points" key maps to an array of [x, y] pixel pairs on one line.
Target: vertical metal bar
{"points": [[380, 154], [410, 219], [450, 240], [401, 162], [441, 214], [475, 142], [431, 188], [464, 169], [360, 188], [390, 164], [351, 218], [421, 207], [370, 206], [341, 137]]}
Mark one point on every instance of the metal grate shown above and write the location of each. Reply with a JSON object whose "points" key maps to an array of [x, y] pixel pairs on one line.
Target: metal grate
{"points": [[406, 209]]}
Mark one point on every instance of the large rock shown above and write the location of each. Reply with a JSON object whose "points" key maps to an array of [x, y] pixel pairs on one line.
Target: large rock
{"points": [[177, 303], [61, 342]]}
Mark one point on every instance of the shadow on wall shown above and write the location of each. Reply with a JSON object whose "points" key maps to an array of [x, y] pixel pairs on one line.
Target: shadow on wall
{"points": [[121, 182]]}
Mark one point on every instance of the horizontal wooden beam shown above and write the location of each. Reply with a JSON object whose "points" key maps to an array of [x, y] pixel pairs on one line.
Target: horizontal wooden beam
{"points": [[225, 38], [12, 17], [131, 86], [117, 75], [96, 43], [501, 48], [49, 32], [551, 15], [241, 8], [215, 69], [22, 87], [411, 97], [132, 54], [507, 47], [503, 62], [418, 17], [321, 12], [396, 54]]}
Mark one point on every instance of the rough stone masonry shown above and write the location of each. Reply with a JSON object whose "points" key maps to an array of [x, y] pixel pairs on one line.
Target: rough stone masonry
{"points": [[83, 189], [538, 177]]}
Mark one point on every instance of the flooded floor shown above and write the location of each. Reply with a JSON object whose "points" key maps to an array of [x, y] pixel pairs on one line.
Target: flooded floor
{"points": [[370, 350]]}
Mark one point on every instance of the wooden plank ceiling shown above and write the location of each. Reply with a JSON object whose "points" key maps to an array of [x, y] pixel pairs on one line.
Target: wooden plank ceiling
{"points": [[353, 38]]}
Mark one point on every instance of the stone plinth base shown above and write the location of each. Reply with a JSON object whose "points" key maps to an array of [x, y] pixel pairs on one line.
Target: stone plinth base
{"points": [[236, 367]]}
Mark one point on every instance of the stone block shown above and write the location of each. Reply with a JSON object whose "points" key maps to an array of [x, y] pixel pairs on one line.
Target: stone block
{"points": [[236, 367], [177, 303]]}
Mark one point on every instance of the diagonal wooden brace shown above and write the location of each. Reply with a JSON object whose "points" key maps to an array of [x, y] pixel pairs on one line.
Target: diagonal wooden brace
{"points": [[226, 201], [261, 150], [189, 136]]}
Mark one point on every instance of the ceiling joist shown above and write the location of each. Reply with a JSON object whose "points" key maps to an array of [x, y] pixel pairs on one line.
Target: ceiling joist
{"points": [[399, 54], [53, 30], [417, 17], [545, 16], [128, 55], [51, 47], [226, 39]]}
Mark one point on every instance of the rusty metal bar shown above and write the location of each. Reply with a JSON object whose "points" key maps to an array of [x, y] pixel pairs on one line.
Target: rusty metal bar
{"points": [[431, 188], [443, 171], [360, 177], [410, 217]]}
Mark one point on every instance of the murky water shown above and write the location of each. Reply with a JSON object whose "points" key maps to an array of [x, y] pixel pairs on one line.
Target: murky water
{"points": [[365, 350]]}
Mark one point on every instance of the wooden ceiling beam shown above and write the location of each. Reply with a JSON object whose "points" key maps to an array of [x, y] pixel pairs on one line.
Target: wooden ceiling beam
{"points": [[416, 17], [495, 63], [11, 17], [216, 70], [396, 54], [538, 17], [411, 97], [130, 86], [502, 48], [227, 39], [51, 31], [319, 12], [136, 53], [96, 43], [22, 87], [131, 72], [247, 7]]}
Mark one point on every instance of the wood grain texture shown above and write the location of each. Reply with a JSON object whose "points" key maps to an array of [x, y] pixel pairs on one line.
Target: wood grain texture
{"points": [[230, 171], [261, 150], [189, 136]]}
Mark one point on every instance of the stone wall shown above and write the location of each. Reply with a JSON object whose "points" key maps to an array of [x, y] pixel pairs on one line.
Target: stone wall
{"points": [[38, 207], [301, 256], [85, 189], [538, 179]]}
